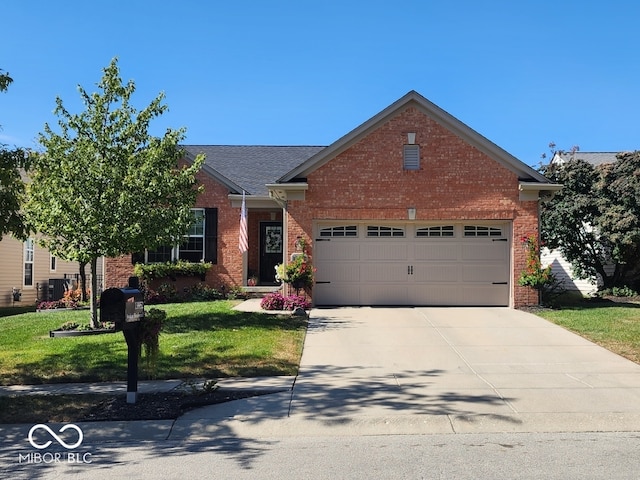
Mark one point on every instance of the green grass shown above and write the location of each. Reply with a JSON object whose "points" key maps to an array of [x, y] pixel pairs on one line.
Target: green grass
{"points": [[200, 339], [615, 326]]}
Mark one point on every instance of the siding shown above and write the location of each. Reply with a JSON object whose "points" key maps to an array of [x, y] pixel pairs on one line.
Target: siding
{"points": [[12, 272], [561, 268]]}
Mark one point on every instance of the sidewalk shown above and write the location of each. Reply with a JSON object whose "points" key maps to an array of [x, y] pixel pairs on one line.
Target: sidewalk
{"points": [[12, 435]]}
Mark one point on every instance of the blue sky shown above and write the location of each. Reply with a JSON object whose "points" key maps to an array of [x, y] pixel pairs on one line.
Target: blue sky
{"points": [[283, 72]]}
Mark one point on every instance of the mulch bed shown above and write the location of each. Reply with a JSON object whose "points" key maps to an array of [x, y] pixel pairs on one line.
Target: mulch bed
{"points": [[161, 406]]}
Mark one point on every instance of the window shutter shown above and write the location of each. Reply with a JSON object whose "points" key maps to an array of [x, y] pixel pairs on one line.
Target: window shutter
{"points": [[137, 257], [211, 235], [412, 157]]}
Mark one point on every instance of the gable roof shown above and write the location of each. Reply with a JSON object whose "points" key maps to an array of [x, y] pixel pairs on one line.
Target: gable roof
{"points": [[250, 168], [594, 158], [522, 170]]}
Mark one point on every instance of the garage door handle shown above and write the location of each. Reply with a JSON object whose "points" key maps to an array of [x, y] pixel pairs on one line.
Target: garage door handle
{"points": [[499, 239], [499, 283], [317, 283]]}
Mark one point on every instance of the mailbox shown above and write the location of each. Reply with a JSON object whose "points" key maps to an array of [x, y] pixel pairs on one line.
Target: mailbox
{"points": [[122, 306], [125, 308]]}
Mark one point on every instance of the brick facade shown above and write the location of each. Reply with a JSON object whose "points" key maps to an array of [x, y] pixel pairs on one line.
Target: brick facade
{"points": [[367, 181], [227, 271], [455, 181]]}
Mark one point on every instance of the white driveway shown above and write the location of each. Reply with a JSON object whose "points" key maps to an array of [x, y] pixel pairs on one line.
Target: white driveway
{"points": [[393, 370]]}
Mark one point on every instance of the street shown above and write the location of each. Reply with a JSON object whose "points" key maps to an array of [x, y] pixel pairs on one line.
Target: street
{"points": [[468, 456]]}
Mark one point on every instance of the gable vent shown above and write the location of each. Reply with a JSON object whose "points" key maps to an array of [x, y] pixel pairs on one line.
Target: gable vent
{"points": [[412, 157]]}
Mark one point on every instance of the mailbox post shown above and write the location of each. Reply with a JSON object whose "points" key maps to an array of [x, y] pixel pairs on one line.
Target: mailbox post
{"points": [[125, 308]]}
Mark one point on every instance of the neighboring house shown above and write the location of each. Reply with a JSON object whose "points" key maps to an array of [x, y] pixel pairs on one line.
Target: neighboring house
{"points": [[33, 273], [560, 266], [412, 207]]}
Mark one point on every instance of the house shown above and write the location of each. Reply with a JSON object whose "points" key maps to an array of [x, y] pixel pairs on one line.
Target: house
{"points": [[412, 207], [31, 274], [560, 266]]}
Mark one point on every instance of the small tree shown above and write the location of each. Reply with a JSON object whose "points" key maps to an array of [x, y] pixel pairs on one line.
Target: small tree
{"points": [[103, 186]]}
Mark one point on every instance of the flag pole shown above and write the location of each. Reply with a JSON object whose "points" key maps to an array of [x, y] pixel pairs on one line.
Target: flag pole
{"points": [[243, 238]]}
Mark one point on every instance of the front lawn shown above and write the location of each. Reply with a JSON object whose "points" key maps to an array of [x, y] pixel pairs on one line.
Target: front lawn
{"points": [[200, 339], [614, 326]]}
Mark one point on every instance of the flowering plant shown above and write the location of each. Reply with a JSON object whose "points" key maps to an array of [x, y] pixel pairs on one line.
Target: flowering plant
{"points": [[534, 275], [298, 272], [277, 301]]}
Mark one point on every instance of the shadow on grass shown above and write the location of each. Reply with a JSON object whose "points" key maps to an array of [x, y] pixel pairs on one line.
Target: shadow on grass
{"points": [[592, 303], [224, 320], [89, 359]]}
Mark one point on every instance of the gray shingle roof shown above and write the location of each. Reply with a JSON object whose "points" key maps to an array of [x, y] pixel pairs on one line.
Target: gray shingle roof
{"points": [[594, 158], [251, 167]]}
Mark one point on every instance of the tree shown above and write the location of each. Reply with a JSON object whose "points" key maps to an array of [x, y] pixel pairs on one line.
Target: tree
{"points": [[103, 186], [594, 221], [5, 80], [12, 190]]}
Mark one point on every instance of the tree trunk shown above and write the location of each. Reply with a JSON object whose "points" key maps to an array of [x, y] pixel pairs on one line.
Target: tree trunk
{"points": [[94, 293], [83, 280]]}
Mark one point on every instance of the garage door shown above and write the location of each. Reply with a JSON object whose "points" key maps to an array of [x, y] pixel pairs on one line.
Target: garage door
{"points": [[410, 264]]}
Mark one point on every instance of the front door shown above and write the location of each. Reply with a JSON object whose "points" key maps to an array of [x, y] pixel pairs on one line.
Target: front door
{"points": [[270, 251]]}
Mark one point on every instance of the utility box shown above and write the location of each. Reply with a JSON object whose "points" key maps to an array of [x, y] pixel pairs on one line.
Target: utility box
{"points": [[122, 306], [57, 288]]}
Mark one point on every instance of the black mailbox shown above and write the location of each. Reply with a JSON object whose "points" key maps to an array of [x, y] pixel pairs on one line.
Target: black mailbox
{"points": [[122, 306]]}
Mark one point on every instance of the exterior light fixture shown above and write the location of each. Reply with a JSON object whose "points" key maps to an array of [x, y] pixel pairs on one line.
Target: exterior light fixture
{"points": [[411, 213]]}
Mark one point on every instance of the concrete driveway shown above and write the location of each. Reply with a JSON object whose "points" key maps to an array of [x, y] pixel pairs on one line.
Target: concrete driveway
{"points": [[377, 371], [411, 370]]}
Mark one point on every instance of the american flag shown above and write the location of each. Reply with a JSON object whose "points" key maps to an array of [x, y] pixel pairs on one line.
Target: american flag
{"points": [[244, 239]]}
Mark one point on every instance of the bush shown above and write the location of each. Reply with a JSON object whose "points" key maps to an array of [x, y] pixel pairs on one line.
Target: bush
{"points": [[618, 292], [72, 298], [167, 293], [272, 301], [202, 292], [276, 301], [296, 301], [171, 269], [51, 305]]}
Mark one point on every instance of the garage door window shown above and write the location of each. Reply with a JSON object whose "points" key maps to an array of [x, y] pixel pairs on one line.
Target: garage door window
{"points": [[435, 231], [340, 231], [380, 231], [481, 231]]}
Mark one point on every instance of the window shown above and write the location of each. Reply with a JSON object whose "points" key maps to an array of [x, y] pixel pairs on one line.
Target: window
{"points": [[199, 244], [378, 231], [160, 255], [192, 248], [481, 231], [412, 157], [435, 231], [28, 262], [53, 263], [340, 231]]}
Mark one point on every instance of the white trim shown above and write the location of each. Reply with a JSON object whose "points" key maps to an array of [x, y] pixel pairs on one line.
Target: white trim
{"points": [[29, 246]]}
